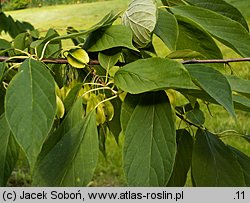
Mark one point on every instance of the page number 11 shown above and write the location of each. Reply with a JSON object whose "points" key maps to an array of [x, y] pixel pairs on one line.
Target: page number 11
{"points": [[240, 195]]}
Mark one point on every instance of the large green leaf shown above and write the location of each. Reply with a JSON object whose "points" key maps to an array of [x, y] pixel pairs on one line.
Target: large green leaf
{"points": [[230, 32], [244, 161], [128, 107], [152, 74], [141, 17], [74, 157], [222, 8], [183, 158], [239, 85], [214, 83], [9, 151], [213, 163], [30, 105], [167, 28], [196, 39], [114, 36], [150, 142]]}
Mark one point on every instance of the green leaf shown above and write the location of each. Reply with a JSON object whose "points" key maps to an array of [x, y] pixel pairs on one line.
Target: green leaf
{"points": [[141, 17], [4, 44], [8, 152], [228, 31], [167, 28], [197, 39], [20, 41], [2, 97], [115, 124], [214, 83], [72, 97], [241, 102], [222, 8], [244, 162], [152, 74], [103, 23], [196, 116], [53, 48], [183, 158], [30, 106], [128, 107], [2, 70], [74, 157], [150, 142], [78, 58], [239, 85], [108, 61], [185, 54], [114, 36], [213, 163]]}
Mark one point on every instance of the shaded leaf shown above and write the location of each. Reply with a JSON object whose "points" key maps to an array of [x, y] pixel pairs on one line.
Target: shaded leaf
{"points": [[213, 163], [30, 105], [194, 38], [150, 141], [244, 162], [239, 85], [72, 97], [74, 157], [4, 44], [114, 36], [152, 74], [223, 8], [196, 116], [20, 41], [2, 70], [8, 152], [141, 17], [167, 28], [241, 102], [228, 31], [115, 124], [183, 158], [214, 83], [128, 107]]}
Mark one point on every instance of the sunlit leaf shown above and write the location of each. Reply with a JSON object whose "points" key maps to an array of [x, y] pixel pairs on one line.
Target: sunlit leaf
{"points": [[141, 17]]}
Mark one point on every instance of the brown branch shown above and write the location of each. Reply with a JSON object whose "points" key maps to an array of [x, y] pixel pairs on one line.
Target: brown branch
{"points": [[96, 62]]}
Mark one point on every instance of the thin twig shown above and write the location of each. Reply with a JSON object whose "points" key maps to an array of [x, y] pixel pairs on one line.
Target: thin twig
{"points": [[96, 62]]}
